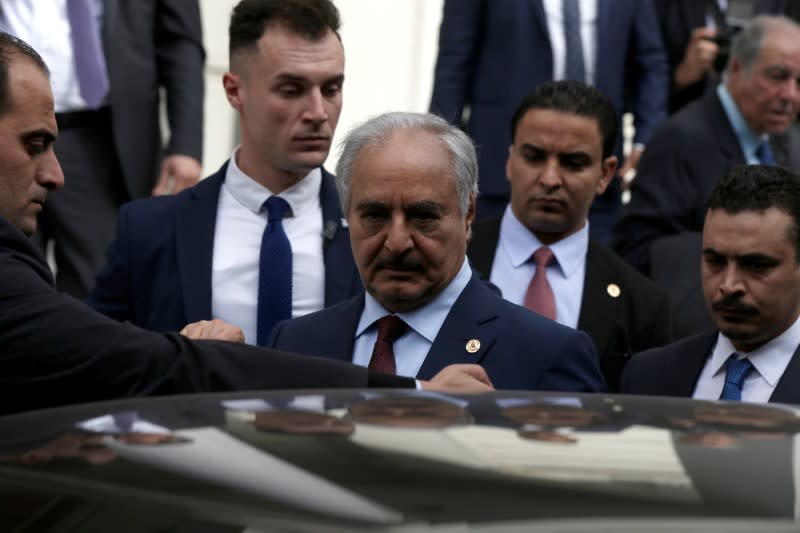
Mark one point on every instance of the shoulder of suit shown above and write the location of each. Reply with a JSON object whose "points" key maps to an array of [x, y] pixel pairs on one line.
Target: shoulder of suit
{"points": [[622, 273]]}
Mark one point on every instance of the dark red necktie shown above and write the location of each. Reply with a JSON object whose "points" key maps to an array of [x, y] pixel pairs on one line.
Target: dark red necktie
{"points": [[539, 298], [389, 330]]}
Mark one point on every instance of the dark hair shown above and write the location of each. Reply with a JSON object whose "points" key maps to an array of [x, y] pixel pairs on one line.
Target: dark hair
{"points": [[309, 18], [10, 47], [757, 188], [575, 98]]}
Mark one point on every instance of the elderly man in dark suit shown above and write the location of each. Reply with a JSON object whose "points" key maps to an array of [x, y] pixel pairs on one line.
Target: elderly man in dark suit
{"points": [[109, 59], [743, 121], [563, 136], [408, 184], [210, 256], [56, 350], [751, 282], [491, 54]]}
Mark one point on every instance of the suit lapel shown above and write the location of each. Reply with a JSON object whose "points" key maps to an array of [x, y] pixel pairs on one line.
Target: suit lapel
{"points": [[788, 388], [680, 379], [331, 210], [605, 10], [194, 236], [471, 317], [540, 19], [341, 331], [598, 308], [728, 142], [483, 245]]}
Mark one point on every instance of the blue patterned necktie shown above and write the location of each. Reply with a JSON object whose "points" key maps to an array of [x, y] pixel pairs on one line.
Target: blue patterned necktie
{"points": [[274, 271], [736, 371], [764, 154], [574, 67], [87, 50]]}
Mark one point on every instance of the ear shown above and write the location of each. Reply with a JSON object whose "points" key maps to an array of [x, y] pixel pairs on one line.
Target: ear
{"points": [[609, 170], [471, 210], [508, 162], [232, 83]]}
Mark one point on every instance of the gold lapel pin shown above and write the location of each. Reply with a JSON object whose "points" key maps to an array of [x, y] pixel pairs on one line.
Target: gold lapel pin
{"points": [[613, 290], [473, 345]]}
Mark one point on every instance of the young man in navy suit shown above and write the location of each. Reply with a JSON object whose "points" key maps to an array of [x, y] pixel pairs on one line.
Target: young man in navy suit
{"points": [[203, 259], [750, 272], [408, 184]]}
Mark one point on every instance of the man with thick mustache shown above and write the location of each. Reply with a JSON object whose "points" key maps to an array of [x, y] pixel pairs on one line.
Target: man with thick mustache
{"points": [[408, 184], [745, 120], [751, 283], [262, 239]]}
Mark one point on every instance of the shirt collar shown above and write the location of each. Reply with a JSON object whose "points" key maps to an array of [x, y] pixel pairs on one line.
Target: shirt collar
{"points": [[250, 194], [520, 243], [770, 360], [748, 140], [425, 320]]}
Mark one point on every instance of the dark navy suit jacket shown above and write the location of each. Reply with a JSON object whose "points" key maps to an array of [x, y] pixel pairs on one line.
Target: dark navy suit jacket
{"points": [[158, 272], [493, 53], [519, 349], [683, 162], [673, 370]]}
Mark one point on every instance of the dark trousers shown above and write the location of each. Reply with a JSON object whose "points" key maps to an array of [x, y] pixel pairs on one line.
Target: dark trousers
{"points": [[81, 218]]}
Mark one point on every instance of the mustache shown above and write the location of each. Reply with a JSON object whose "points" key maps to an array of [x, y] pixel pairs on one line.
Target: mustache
{"points": [[399, 263], [732, 304]]}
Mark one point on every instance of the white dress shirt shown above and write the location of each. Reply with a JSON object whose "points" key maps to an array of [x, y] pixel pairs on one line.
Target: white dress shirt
{"points": [[237, 247], [44, 25], [769, 363], [512, 269], [555, 26], [424, 324]]}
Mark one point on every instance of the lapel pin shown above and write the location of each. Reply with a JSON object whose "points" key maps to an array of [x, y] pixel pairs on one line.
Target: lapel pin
{"points": [[613, 290], [473, 345]]}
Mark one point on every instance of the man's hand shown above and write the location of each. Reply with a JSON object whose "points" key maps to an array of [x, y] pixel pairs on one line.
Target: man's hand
{"points": [[213, 329], [459, 378], [631, 162], [178, 172], [698, 58]]}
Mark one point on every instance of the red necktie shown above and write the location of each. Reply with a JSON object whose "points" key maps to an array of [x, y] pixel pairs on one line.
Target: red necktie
{"points": [[539, 297], [389, 329]]}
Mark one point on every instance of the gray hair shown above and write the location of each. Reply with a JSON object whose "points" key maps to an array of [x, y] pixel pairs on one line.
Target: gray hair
{"points": [[746, 45], [378, 130]]}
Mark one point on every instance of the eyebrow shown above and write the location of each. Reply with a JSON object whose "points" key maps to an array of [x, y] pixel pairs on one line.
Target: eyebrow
{"points": [[41, 133], [533, 147], [295, 78]]}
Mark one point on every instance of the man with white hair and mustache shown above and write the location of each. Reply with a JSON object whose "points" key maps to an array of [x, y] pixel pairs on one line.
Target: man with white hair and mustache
{"points": [[745, 120]]}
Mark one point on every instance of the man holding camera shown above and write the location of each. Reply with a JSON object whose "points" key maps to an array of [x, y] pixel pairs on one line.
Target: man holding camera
{"points": [[745, 120]]}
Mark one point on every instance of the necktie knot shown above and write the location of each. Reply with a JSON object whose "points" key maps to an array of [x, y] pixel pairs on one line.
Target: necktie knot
{"points": [[764, 153], [390, 328], [277, 208], [543, 257], [736, 370]]}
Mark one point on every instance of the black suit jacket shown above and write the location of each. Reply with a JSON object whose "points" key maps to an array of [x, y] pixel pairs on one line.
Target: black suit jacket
{"points": [[55, 350], [682, 164], [673, 370], [638, 319], [150, 44]]}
